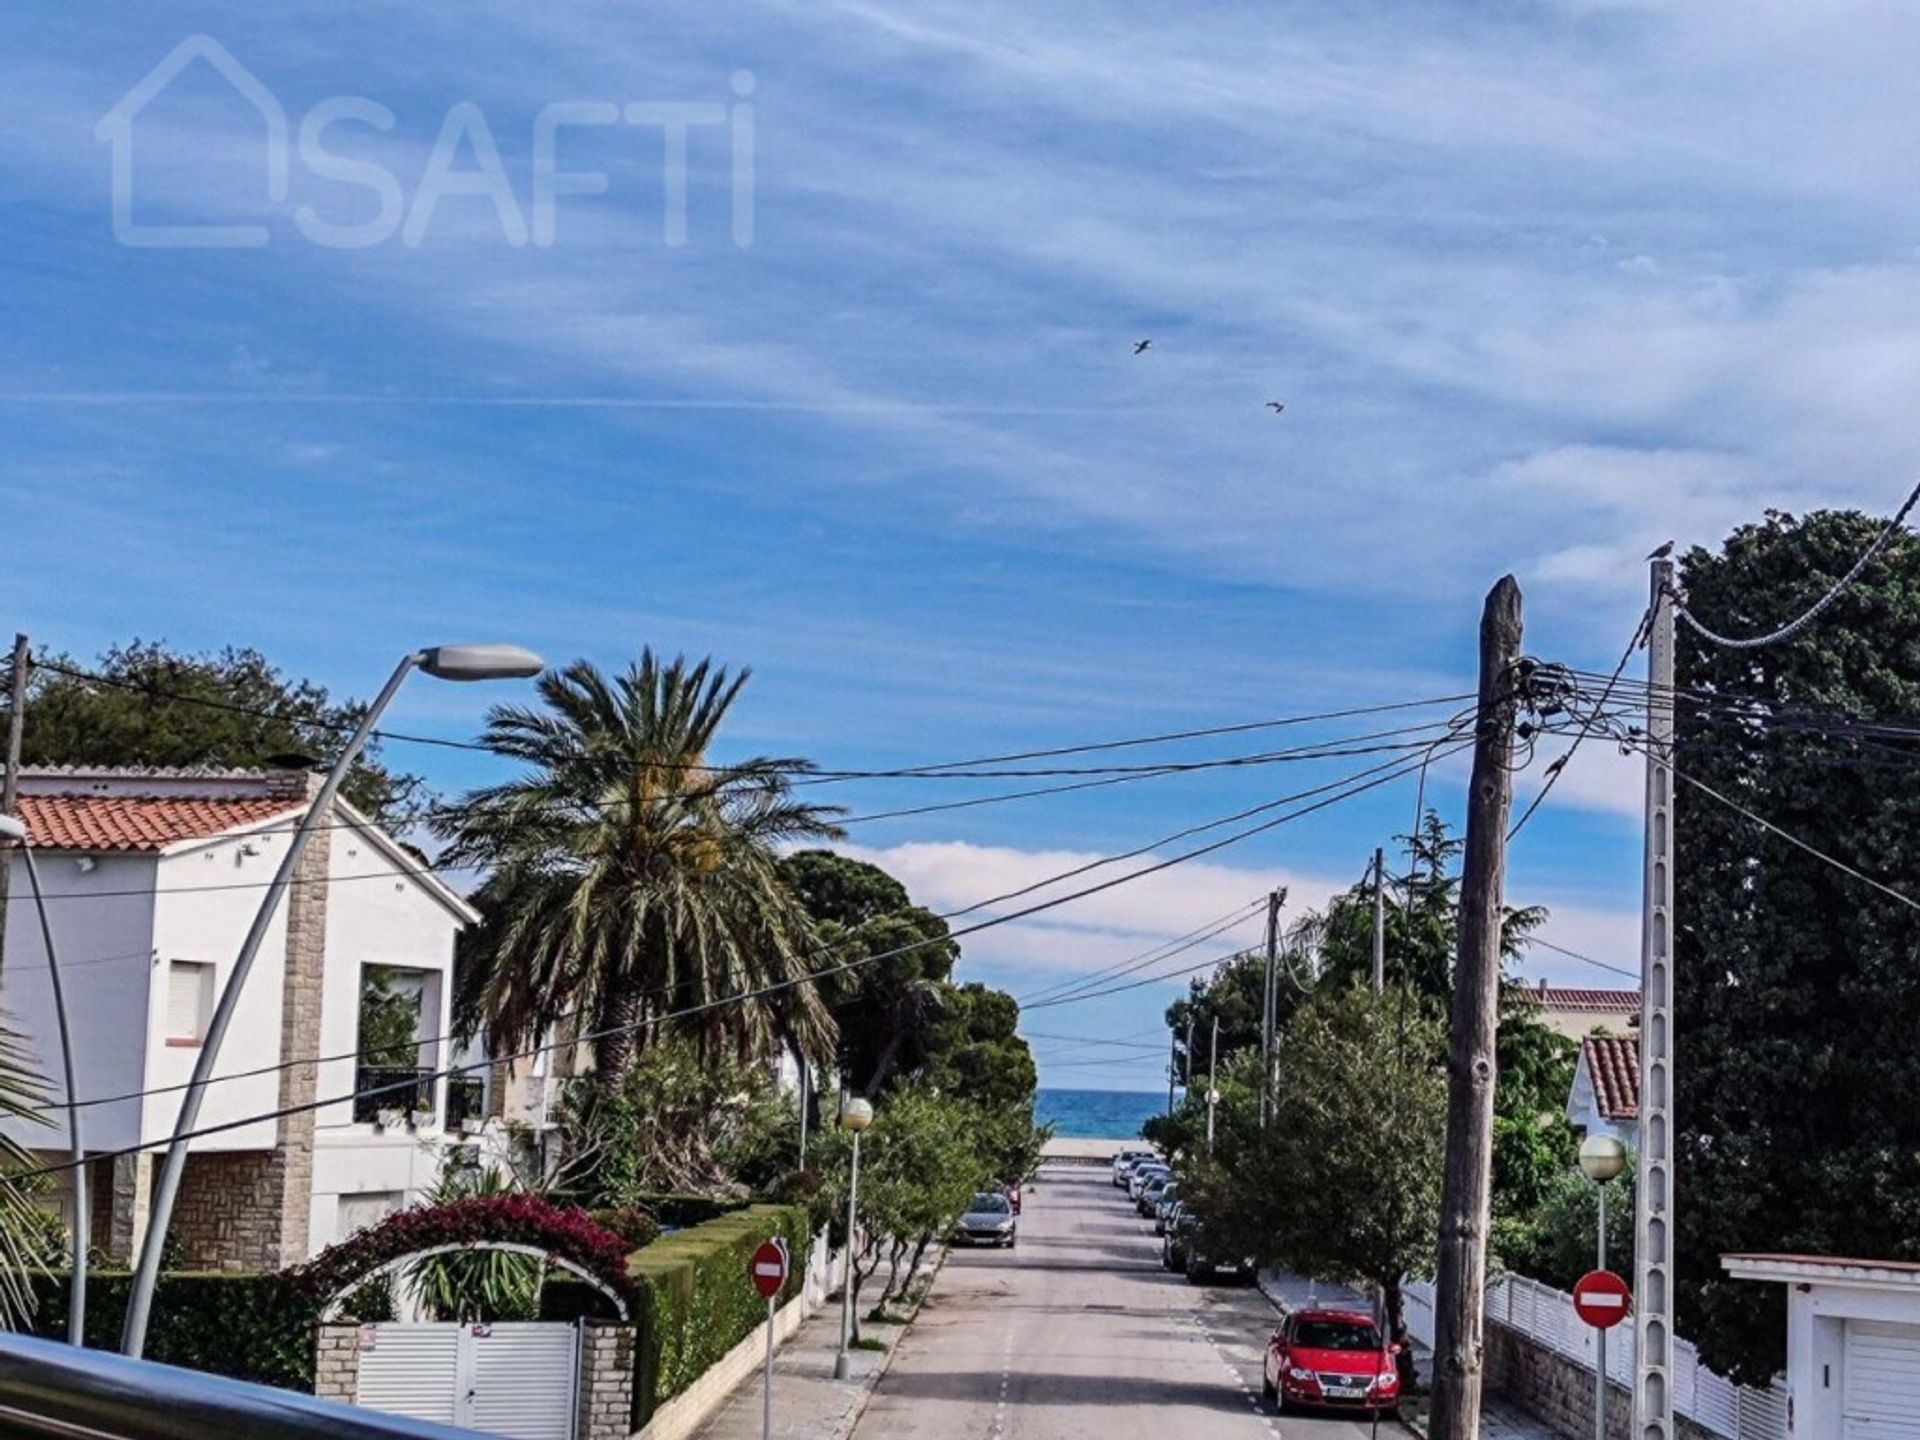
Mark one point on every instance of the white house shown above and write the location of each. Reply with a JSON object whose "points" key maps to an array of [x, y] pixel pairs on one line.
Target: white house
{"points": [[153, 877], [1605, 1099], [1853, 1343], [1577, 1011]]}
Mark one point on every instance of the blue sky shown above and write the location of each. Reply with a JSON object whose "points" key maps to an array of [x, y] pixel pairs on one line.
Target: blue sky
{"points": [[1541, 286]]}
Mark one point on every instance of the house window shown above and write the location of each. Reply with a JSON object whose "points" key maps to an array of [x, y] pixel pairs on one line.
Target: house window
{"points": [[189, 1001], [368, 1207]]}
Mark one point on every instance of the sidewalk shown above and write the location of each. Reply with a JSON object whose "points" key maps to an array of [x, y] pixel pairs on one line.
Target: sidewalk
{"points": [[1499, 1420], [808, 1403]]}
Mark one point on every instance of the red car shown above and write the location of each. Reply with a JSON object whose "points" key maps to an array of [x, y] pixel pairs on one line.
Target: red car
{"points": [[1333, 1358]]}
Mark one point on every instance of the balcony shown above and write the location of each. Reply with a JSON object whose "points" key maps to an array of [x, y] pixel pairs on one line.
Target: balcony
{"points": [[408, 1091], [466, 1102]]}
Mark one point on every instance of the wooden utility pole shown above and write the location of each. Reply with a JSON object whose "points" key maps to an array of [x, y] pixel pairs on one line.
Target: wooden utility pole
{"points": [[10, 781], [1270, 1002], [1458, 1344]]}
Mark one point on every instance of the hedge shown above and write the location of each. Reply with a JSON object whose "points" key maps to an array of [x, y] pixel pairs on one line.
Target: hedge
{"points": [[697, 1299], [249, 1327]]}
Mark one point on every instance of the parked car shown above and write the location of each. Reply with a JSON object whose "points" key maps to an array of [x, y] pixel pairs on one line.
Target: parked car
{"points": [[1208, 1261], [1333, 1358], [1150, 1194], [989, 1221], [1163, 1207], [1123, 1164], [1141, 1175], [1173, 1249]]}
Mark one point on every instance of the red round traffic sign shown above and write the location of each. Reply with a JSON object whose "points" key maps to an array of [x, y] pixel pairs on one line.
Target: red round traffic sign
{"points": [[769, 1268], [1602, 1299]]}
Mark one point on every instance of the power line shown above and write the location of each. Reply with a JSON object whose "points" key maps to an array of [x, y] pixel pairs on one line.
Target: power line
{"points": [[417, 1078], [1166, 950], [814, 975], [1583, 959], [1795, 626], [1557, 767]]}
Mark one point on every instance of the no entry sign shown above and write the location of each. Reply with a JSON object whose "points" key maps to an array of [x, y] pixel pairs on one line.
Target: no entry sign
{"points": [[1602, 1299], [769, 1268]]}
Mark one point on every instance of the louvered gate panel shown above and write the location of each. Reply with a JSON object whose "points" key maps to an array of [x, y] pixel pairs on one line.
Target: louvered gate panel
{"points": [[524, 1378], [1882, 1396], [412, 1370]]}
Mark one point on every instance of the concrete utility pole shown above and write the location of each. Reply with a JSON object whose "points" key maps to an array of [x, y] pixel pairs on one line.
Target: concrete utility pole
{"points": [[1653, 1204], [1270, 1001], [1173, 1064], [10, 784], [1379, 921], [1460, 1291]]}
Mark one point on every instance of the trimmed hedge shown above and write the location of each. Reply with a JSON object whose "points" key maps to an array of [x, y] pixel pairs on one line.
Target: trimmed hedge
{"points": [[249, 1327], [683, 1212], [697, 1299]]}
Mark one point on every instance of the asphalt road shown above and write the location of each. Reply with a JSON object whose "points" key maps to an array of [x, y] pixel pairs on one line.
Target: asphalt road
{"points": [[1078, 1334]]}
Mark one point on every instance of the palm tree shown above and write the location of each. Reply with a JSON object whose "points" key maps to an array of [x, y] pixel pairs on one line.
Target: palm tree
{"points": [[635, 881]]}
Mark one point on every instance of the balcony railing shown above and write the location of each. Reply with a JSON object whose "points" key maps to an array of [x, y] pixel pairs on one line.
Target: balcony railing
{"points": [[53, 1390], [407, 1090], [466, 1101]]}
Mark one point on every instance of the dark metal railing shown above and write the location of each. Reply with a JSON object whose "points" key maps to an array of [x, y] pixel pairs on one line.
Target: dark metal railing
{"points": [[466, 1100], [53, 1390], [391, 1087]]}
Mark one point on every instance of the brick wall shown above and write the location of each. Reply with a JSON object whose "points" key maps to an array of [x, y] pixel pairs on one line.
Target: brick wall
{"points": [[1558, 1390], [336, 1363], [606, 1381]]}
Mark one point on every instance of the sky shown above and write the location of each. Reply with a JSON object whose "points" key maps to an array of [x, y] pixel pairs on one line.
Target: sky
{"points": [[804, 336]]}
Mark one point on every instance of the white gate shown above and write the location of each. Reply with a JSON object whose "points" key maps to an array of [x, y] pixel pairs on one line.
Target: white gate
{"points": [[517, 1379], [1882, 1377]]}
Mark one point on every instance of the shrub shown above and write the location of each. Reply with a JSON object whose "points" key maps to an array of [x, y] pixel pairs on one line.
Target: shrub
{"points": [[249, 1327], [631, 1223], [696, 1299]]}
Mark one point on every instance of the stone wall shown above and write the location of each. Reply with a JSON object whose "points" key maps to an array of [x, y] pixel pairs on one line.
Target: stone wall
{"points": [[228, 1214], [336, 1364], [606, 1381], [1558, 1390]]}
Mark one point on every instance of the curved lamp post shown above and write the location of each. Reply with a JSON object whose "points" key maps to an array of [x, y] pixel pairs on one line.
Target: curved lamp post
{"points": [[855, 1115], [1602, 1157], [11, 828], [444, 662]]}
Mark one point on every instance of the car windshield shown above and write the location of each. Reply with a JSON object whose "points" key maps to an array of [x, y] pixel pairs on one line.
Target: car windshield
{"points": [[1172, 1192], [986, 1204], [1335, 1335]]}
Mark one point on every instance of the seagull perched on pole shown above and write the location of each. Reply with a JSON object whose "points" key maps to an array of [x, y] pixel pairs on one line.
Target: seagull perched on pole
{"points": [[1663, 552], [1140, 347]]}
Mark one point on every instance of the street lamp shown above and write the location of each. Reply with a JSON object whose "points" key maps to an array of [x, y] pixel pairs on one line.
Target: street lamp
{"points": [[855, 1116], [12, 828], [443, 662], [1602, 1157]]}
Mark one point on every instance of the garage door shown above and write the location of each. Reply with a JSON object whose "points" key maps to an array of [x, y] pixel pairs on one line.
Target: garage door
{"points": [[1882, 1376], [517, 1380]]}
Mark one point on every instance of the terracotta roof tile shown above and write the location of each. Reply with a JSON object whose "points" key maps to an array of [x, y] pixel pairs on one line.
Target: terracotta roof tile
{"points": [[140, 822], [1614, 1063], [1571, 997]]}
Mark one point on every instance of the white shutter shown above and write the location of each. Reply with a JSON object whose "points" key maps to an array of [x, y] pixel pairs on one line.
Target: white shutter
{"points": [[412, 1370], [524, 1381], [189, 999], [1882, 1378]]}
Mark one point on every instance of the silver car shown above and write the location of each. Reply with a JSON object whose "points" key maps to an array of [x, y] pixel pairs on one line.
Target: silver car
{"points": [[989, 1221], [1141, 1175]]}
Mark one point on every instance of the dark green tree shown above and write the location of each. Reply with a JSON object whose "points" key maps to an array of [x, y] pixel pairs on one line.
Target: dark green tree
{"points": [[1797, 988], [236, 710]]}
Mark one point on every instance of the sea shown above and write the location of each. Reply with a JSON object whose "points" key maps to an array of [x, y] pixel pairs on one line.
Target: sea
{"points": [[1097, 1114]]}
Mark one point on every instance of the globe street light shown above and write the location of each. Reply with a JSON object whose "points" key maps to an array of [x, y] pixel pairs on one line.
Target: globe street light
{"points": [[855, 1116], [12, 828], [1602, 1157], [443, 662]]}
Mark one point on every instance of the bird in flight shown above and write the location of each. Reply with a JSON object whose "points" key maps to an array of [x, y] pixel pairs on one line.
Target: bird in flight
{"points": [[1275, 406], [1663, 552], [1140, 347]]}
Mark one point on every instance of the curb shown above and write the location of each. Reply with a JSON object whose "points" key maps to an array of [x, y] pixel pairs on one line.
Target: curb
{"points": [[872, 1382]]}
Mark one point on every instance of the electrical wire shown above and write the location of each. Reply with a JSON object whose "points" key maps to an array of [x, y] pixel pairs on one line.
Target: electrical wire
{"points": [[1794, 627], [1633, 975], [413, 1081], [1216, 845], [1165, 950], [1558, 767]]}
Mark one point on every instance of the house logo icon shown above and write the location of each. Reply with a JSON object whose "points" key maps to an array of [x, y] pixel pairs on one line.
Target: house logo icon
{"points": [[116, 128]]}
